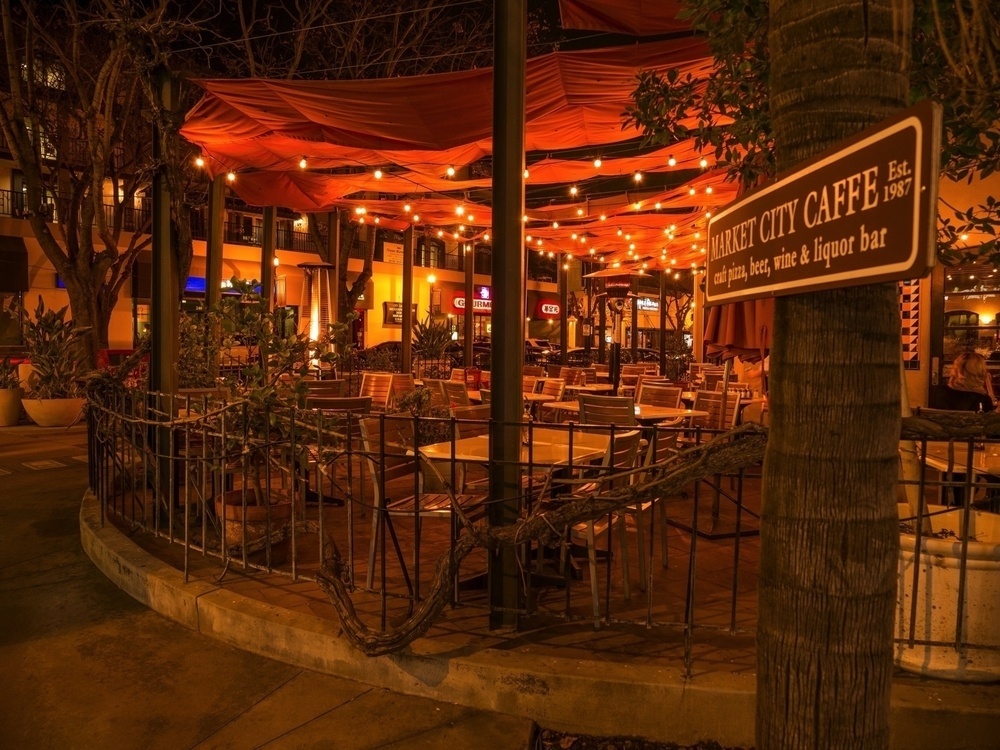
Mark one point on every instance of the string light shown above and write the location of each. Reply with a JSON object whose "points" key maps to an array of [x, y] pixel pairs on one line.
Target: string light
{"points": [[555, 224], [406, 208], [440, 233], [526, 173], [579, 212], [573, 190], [470, 217], [671, 162], [450, 171], [199, 162], [231, 176], [657, 205], [303, 163], [597, 163], [703, 163], [691, 191], [459, 210], [378, 174], [709, 190], [637, 177], [604, 217], [486, 237], [360, 210], [415, 218]]}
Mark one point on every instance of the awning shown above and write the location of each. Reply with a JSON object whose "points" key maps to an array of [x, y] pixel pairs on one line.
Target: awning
{"points": [[637, 17], [13, 265]]}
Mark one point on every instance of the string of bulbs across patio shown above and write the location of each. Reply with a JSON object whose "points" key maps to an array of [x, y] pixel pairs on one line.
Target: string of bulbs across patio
{"points": [[417, 152]]}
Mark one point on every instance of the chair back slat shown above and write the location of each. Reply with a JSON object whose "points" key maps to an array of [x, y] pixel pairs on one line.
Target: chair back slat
{"points": [[378, 385], [356, 404], [326, 388], [536, 371], [554, 387], [396, 434], [529, 383], [436, 389], [658, 395], [402, 383], [607, 410], [479, 413], [456, 393], [573, 375], [722, 408]]}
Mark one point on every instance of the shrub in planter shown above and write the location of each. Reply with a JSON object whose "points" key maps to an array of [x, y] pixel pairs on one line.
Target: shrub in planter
{"points": [[10, 394], [54, 391]]}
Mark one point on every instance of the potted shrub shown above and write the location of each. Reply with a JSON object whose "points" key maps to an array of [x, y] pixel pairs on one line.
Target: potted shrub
{"points": [[10, 394], [430, 339], [53, 385], [268, 388]]}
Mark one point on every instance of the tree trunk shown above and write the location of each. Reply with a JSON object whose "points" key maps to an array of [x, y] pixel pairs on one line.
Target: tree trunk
{"points": [[829, 531]]}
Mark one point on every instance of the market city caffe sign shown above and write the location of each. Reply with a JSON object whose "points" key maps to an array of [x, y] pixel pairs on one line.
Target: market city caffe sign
{"points": [[858, 214]]}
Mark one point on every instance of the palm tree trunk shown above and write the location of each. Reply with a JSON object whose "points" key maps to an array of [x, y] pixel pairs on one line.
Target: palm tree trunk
{"points": [[829, 531]]}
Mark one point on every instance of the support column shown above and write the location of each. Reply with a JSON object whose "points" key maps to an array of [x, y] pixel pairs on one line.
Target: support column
{"points": [[333, 257], [214, 241], [406, 363], [634, 339], [165, 291], [602, 324], [563, 269], [470, 270], [268, 241], [165, 294], [663, 323], [509, 55]]}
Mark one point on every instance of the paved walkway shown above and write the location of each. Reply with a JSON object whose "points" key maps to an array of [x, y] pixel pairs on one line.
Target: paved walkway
{"points": [[84, 665]]}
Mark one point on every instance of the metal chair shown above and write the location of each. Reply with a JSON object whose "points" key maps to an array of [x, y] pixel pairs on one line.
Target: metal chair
{"points": [[620, 457], [387, 442]]}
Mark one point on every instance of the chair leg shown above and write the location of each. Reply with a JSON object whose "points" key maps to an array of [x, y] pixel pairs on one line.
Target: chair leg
{"points": [[623, 543], [663, 532], [374, 546], [592, 562], [640, 535]]}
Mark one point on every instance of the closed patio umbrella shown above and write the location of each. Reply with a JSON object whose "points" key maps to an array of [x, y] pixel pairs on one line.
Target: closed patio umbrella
{"points": [[740, 329]]}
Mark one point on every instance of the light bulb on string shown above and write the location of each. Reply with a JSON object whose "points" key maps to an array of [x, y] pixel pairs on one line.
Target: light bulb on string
{"points": [[303, 163], [378, 174], [703, 163], [597, 163], [199, 162], [671, 162], [231, 176], [450, 171]]}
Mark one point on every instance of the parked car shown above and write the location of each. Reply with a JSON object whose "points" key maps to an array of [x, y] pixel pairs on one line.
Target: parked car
{"points": [[538, 351]]}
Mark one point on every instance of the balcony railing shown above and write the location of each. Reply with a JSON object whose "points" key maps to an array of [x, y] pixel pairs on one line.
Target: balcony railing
{"points": [[139, 219]]}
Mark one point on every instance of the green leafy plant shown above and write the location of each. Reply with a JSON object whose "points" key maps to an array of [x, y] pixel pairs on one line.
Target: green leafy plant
{"points": [[198, 351], [271, 382], [8, 375], [430, 338], [54, 347], [417, 403]]}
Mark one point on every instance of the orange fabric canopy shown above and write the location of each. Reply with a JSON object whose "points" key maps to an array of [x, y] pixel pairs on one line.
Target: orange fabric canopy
{"points": [[414, 129], [636, 17], [574, 100]]}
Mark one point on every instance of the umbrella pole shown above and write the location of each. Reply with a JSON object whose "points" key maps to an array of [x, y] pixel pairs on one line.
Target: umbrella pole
{"points": [[726, 373]]}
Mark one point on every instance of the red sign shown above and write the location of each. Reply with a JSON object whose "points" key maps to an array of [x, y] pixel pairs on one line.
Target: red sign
{"points": [[858, 214], [547, 308]]}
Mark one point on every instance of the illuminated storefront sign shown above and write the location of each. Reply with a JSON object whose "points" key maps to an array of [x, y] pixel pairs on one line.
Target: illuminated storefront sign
{"points": [[547, 308], [479, 306], [648, 304]]}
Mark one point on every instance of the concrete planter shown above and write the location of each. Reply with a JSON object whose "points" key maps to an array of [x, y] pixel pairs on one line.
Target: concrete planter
{"points": [[10, 406], [54, 412], [937, 599]]}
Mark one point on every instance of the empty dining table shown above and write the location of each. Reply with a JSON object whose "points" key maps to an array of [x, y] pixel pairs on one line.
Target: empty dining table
{"points": [[645, 413], [548, 447]]}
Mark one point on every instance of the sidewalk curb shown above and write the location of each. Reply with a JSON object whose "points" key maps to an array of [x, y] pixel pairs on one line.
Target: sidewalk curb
{"points": [[558, 693]]}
